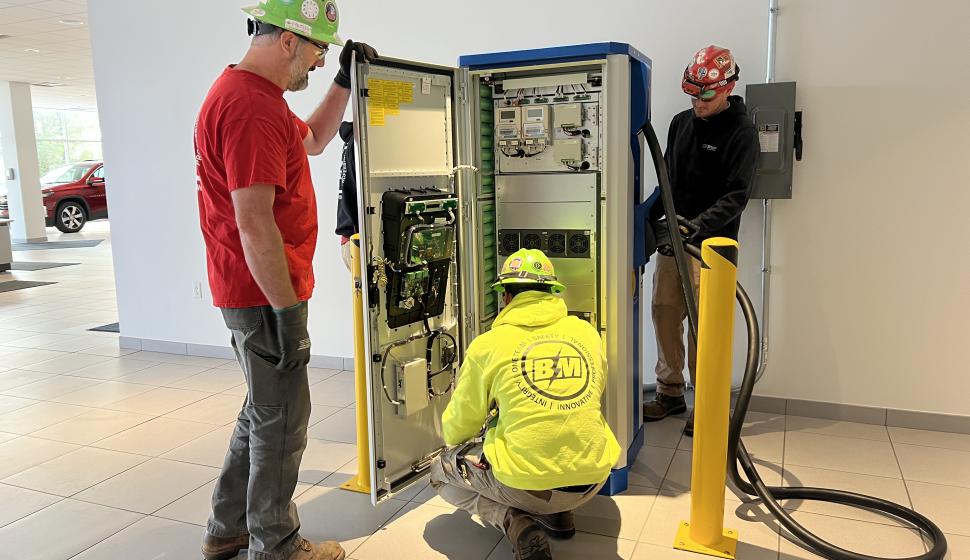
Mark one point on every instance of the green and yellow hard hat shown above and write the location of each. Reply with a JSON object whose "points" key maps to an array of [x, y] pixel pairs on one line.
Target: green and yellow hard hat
{"points": [[528, 266], [313, 19]]}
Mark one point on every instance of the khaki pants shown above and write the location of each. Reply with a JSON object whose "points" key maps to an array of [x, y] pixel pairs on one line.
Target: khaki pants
{"points": [[481, 494], [669, 311]]}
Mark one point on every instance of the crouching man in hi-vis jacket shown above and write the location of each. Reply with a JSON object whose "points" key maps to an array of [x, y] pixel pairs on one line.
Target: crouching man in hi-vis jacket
{"points": [[537, 379]]}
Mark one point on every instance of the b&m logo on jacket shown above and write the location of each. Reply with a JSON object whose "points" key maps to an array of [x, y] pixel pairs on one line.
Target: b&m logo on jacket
{"points": [[554, 373]]}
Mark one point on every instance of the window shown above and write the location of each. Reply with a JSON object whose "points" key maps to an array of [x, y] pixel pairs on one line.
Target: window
{"points": [[65, 137], [64, 174], [99, 174]]}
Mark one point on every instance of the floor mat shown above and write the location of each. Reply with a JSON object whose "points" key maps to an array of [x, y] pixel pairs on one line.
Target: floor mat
{"points": [[56, 245], [38, 265], [20, 285], [111, 327]]}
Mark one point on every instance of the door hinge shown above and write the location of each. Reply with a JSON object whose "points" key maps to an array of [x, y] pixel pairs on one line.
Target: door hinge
{"points": [[466, 212], [462, 93]]}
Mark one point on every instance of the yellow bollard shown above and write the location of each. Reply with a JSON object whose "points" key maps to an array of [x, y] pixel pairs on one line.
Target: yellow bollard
{"points": [[705, 533], [360, 483]]}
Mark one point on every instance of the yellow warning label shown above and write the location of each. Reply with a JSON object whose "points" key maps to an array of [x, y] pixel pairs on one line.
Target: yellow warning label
{"points": [[385, 97]]}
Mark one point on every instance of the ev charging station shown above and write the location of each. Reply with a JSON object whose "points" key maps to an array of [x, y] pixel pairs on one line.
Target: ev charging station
{"points": [[460, 167]]}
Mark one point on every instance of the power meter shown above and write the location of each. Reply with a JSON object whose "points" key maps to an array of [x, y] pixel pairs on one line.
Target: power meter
{"points": [[535, 122], [508, 123]]}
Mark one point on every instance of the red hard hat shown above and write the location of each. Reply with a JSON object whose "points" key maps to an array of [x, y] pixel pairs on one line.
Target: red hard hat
{"points": [[712, 69]]}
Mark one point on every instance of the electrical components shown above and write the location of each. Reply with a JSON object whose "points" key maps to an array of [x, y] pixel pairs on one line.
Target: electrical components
{"points": [[412, 387], [419, 242], [552, 127], [568, 115], [535, 123], [508, 124], [570, 150]]}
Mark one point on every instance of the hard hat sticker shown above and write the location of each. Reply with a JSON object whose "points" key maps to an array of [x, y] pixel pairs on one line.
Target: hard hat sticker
{"points": [[331, 12], [257, 12], [714, 73], [515, 264], [701, 72], [298, 26], [310, 9]]}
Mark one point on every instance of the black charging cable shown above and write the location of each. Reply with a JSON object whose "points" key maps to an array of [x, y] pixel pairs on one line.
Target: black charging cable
{"points": [[737, 454]]}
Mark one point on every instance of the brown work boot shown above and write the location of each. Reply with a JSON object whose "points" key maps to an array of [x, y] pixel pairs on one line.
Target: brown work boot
{"points": [[327, 550], [663, 406], [689, 428], [223, 548], [557, 525], [528, 540]]}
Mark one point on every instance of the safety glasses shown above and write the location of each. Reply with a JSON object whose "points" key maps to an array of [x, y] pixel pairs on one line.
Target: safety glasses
{"points": [[321, 51], [704, 92]]}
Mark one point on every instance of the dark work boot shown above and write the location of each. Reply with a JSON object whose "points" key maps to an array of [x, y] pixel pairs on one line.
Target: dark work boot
{"points": [[689, 428], [663, 406], [527, 539], [223, 548], [557, 525]]}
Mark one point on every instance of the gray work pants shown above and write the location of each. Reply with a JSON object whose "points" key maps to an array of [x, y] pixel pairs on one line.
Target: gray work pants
{"points": [[481, 494], [669, 311], [254, 493]]}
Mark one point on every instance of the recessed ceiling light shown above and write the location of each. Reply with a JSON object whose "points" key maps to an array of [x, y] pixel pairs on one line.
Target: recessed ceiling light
{"points": [[71, 22], [48, 84], [32, 51], [4, 36]]}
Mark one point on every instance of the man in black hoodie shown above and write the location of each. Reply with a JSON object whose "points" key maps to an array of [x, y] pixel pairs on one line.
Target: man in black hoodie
{"points": [[347, 193], [712, 150]]}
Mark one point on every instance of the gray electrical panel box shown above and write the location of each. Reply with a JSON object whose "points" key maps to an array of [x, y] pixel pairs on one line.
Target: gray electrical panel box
{"points": [[772, 110]]}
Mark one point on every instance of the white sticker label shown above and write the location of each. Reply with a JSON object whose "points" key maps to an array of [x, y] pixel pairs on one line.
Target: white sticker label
{"points": [[426, 85], [310, 9], [299, 26], [769, 137]]}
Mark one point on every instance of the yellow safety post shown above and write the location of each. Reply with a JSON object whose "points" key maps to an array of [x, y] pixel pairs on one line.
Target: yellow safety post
{"points": [[705, 533], [361, 482]]}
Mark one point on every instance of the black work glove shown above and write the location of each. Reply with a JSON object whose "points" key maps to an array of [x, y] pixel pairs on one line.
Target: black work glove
{"points": [[365, 53], [292, 336], [693, 231], [662, 235]]}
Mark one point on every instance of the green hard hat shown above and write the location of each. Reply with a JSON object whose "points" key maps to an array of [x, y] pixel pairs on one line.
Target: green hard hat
{"points": [[313, 19], [528, 266]]}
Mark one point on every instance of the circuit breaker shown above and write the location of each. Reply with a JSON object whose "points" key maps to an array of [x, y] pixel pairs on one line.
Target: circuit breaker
{"points": [[771, 107]]}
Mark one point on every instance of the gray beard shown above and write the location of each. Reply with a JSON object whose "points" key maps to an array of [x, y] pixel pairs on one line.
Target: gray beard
{"points": [[299, 77], [299, 84]]}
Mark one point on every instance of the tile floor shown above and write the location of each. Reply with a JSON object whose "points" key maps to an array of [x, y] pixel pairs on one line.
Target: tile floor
{"points": [[107, 453]]}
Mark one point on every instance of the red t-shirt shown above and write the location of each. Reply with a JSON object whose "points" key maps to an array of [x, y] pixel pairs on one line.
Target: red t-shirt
{"points": [[246, 134]]}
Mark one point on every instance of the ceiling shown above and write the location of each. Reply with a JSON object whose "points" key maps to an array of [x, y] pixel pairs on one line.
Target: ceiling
{"points": [[48, 42]]}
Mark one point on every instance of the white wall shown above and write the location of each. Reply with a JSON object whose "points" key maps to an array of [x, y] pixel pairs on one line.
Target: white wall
{"points": [[869, 298]]}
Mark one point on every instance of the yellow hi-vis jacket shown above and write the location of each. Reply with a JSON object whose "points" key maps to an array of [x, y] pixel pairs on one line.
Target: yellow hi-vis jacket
{"points": [[546, 373]]}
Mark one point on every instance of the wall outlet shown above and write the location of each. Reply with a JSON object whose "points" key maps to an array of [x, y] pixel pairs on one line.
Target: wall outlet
{"points": [[197, 290]]}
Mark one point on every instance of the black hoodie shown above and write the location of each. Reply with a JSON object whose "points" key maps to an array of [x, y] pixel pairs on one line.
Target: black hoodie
{"points": [[712, 164], [347, 188]]}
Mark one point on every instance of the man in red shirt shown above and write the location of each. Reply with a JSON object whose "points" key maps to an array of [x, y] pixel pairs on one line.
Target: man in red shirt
{"points": [[259, 220]]}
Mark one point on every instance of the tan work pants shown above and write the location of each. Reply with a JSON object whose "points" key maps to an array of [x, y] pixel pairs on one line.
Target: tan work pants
{"points": [[669, 311]]}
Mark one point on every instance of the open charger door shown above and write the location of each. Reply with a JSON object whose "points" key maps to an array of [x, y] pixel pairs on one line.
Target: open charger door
{"points": [[406, 124]]}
